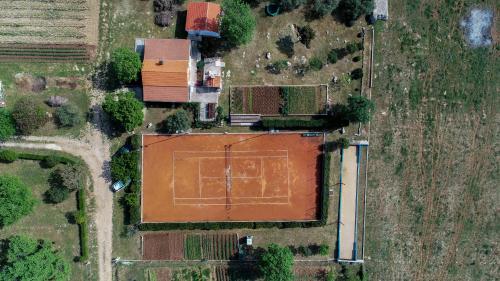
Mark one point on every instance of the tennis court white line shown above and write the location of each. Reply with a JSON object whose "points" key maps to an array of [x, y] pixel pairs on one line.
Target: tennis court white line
{"points": [[232, 204], [212, 198]]}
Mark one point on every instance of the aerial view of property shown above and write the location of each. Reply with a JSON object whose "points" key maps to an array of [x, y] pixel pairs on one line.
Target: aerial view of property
{"points": [[280, 140]]}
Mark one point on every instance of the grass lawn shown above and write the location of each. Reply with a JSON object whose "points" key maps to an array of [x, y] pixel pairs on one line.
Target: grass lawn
{"points": [[431, 206], [47, 221]]}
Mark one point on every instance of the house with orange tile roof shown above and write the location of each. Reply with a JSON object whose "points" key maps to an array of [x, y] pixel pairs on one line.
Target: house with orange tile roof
{"points": [[173, 71], [203, 19]]}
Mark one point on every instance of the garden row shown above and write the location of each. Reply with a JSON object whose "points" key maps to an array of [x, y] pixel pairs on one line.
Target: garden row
{"points": [[14, 52], [279, 100], [177, 246]]}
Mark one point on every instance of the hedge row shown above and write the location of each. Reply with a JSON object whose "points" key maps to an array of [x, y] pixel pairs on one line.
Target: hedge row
{"points": [[50, 160], [323, 214], [84, 229], [294, 123]]}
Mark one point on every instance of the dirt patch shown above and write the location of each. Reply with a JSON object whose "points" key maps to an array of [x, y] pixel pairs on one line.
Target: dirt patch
{"points": [[163, 246], [64, 82]]}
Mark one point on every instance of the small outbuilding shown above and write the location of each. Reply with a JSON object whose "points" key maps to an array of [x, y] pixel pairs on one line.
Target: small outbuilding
{"points": [[381, 10], [203, 19]]}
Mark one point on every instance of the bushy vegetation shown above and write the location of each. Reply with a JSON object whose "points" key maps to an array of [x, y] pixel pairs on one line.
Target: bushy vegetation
{"points": [[64, 180], [82, 220], [276, 264], [16, 200], [353, 9], [68, 115], [8, 156], [28, 115], [359, 109], [125, 64], [307, 34], [316, 64], [27, 259], [333, 56], [357, 74], [178, 122], [238, 23], [124, 109], [7, 125], [343, 143], [286, 45], [289, 5], [310, 250], [277, 67], [321, 8]]}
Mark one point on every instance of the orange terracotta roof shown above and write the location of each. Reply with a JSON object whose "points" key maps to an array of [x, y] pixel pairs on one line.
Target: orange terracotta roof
{"points": [[203, 16], [165, 94], [166, 49]]}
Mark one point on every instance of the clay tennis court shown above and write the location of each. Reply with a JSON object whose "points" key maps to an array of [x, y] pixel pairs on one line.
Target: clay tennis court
{"points": [[231, 177]]}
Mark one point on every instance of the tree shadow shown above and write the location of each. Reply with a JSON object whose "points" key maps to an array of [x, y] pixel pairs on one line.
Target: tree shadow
{"points": [[180, 25]]}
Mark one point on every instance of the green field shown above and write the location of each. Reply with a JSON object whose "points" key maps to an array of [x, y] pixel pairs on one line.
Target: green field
{"points": [[433, 176], [48, 221]]}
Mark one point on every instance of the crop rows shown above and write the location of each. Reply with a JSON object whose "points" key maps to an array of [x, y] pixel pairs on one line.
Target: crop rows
{"points": [[43, 53], [192, 249], [163, 246], [219, 246]]}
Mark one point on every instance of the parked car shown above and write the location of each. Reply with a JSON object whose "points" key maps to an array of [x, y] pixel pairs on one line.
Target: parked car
{"points": [[119, 185]]}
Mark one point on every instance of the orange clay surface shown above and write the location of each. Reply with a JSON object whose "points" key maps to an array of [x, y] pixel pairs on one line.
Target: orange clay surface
{"points": [[232, 177]]}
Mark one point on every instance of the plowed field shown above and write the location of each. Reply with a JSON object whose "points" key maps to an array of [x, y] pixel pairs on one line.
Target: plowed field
{"points": [[163, 246]]}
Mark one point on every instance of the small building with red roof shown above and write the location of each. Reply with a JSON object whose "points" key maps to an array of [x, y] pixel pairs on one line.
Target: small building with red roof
{"points": [[203, 19]]}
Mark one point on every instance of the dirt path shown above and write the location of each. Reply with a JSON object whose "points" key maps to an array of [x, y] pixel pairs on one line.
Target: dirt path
{"points": [[93, 148]]}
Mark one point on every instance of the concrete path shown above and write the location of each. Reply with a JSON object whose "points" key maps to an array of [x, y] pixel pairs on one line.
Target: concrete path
{"points": [[348, 204]]}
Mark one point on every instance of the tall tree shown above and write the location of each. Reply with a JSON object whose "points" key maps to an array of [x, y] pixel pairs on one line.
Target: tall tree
{"points": [[7, 127], [237, 23], [27, 259], [16, 200], [124, 109], [177, 123], [276, 264], [359, 109], [126, 65], [353, 9]]}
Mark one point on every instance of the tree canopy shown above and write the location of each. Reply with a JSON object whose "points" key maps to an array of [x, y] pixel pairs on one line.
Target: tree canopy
{"points": [[28, 115], [276, 264], [126, 65], [27, 259], [353, 9], [288, 5], [324, 7], [68, 115], [177, 122], [7, 126], [124, 109], [16, 200], [359, 109], [237, 23]]}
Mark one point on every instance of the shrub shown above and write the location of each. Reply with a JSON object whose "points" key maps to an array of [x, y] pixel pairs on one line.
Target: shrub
{"points": [[359, 109], [28, 115], [307, 34], [285, 96], [324, 249], [321, 8], [177, 123], [353, 9], [16, 200], [331, 276], [135, 141], [332, 56], [343, 143], [69, 176], [50, 161], [7, 125], [357, 74], [356, 59], [286, 45], [8, 156], [124, 167], [125, 64], [68, 116], [238, 23], [316, 64], [83, 225], [124, 109], [57, 194], [352, 47], [276, 264], [277, 67]]}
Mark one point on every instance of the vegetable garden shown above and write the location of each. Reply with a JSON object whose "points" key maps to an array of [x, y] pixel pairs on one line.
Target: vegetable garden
{"points": [[48, 30], [279, 100], [178, 246]]}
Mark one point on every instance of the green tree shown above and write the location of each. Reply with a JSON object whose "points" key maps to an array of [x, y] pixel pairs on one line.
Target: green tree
{"points": [[359, 109], [288, 5], [357, 74], [69, 176], [177, 122], [353, 9], [276, 264], [16, 200], [124, 109], [125, 64], [7, 125], [124, 166], [57, 194], [343, 143], [307, 34], [28, 115], [322, 8], [68, 115], [333, 56], [315, 64], [237, 23], [26, 259]]}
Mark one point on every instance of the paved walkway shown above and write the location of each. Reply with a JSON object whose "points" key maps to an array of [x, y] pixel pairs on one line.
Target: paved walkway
{"points": [[348, 204]]}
